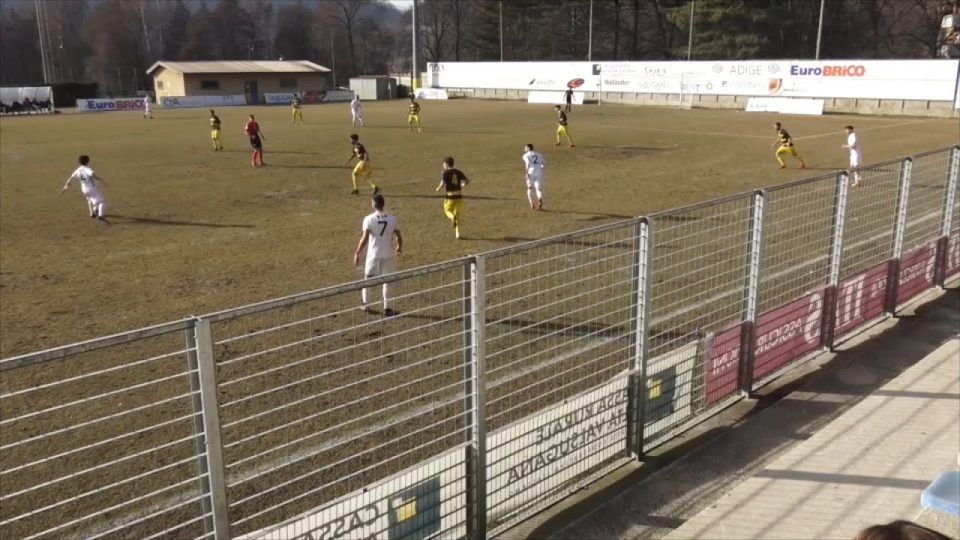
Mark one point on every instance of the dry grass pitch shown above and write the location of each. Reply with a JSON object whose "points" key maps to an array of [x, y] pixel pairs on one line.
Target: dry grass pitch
{"points": [[195, 231]]}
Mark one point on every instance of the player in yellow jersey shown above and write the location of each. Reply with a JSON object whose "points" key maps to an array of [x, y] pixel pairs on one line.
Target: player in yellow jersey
{"points": [[295, 104], [452, 181], [784, 144], [414, 116], [215, 131], [562, 127], [363, 165]]}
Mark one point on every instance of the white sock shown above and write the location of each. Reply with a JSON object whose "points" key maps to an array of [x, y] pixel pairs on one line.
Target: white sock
{"points": [[386, 296]]}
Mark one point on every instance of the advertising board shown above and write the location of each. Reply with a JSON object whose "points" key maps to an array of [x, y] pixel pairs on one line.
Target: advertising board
{"points": [[785, 105], [431, 93], [786, 333], [723, 364], [426, 501], [110, 104], [279, 98], [916, 271], [309, 96], [933, 80], [555, 97], [535, 457], [953, 253], [187, 102]]}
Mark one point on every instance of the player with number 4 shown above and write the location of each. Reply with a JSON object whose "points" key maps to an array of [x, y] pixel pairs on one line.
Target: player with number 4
{"points": [[376, 236]]}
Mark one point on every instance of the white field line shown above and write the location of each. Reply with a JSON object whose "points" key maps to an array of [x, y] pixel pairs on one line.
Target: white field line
{"points": [[839, 134]]}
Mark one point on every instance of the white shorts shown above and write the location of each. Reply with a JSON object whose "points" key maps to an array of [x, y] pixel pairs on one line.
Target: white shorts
{"points": [[94, 196], [357, 115], [379, 267], [854, 159], [535, 180]]}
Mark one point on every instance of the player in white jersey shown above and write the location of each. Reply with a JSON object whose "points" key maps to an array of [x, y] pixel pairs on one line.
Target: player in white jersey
{"points": [[88, 179], [533, 165], [856, 153], [356, 110], [147, 108], [376, 236]]}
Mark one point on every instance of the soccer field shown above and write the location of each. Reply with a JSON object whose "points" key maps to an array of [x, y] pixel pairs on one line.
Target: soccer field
{"points": [[195, 231]]}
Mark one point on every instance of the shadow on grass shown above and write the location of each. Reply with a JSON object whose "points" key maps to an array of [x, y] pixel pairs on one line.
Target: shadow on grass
{"points": [[466, 198], [624, 147], [118, 219], [291, 166]]}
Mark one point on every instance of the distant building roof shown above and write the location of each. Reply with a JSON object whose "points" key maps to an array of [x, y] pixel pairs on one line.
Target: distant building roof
{"points": [[240, 66]]}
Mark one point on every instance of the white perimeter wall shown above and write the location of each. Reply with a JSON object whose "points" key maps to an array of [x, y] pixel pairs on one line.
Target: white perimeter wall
{"points": [[934, 82]]}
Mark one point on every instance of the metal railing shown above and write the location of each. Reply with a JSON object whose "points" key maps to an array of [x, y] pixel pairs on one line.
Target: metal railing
{"points": [[507, 380]]}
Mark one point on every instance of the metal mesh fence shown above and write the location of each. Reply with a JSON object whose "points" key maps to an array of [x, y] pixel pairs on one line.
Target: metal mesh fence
{"points": [[699, 275], [102, 443], [796, 242], [558, 323], [928, 182], [504, 381], [320, 398], [871, 206], [558, 320]]}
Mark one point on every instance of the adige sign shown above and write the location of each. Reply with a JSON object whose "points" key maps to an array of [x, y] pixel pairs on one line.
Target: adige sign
{"points": [[534, 458]]}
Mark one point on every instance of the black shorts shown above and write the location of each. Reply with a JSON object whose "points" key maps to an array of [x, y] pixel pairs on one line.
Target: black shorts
{"points": [[256, 143]]}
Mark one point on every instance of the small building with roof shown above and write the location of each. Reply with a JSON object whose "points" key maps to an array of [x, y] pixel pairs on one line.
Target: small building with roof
{"points": [[251, 78]]}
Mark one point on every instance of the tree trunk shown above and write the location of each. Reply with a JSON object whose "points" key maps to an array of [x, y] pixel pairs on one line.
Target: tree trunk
{"points": [[616, 29]]}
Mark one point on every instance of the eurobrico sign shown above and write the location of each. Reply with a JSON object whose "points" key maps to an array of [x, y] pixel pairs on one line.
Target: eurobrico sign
{"points": [[851, 70]]}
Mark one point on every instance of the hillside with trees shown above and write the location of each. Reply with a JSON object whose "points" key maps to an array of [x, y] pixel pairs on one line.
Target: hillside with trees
{"points": [[112, 42]]}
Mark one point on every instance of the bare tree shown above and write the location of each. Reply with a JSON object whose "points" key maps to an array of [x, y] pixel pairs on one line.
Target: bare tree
{"points": [[437, 22], [348, 14]]}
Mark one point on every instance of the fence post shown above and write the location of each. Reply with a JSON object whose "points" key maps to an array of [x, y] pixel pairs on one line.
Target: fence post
{"points": [[207, 371], [750, 291], [475, 399], [899, 227], [639, 318], [829, 320], [949, 200], [200, 438]]}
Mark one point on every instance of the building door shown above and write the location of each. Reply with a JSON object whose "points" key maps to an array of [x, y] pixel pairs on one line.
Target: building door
{"points": [[251, 92]]}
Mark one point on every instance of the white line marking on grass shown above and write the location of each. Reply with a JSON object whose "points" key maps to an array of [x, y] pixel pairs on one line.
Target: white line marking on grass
{"points": [[839, 133]]}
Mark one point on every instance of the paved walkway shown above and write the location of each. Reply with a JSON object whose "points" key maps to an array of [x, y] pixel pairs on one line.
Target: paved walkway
{"points": [[866, 467], [840, 434]]}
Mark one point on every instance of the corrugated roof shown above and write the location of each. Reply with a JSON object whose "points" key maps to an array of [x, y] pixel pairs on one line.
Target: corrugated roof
{"points": [[241, 66]]}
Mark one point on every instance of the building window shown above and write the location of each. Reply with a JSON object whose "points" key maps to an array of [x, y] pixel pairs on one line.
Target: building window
{"points": [[210, 85], [288, 83], [159, 85]]}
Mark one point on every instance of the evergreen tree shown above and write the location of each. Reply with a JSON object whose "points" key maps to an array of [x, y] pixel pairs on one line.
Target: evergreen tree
{"points": [[175, 31], [726, 29]]}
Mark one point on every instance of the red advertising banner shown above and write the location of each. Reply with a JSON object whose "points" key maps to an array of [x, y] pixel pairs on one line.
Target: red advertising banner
{"points": [[723, 360], [953, 254], [916, 272], [861, 298], [786, 333]]}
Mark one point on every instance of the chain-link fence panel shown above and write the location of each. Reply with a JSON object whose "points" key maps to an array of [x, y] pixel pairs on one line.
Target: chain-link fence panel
{"points": [[100, 439], [698, 288], [323, 396]]}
